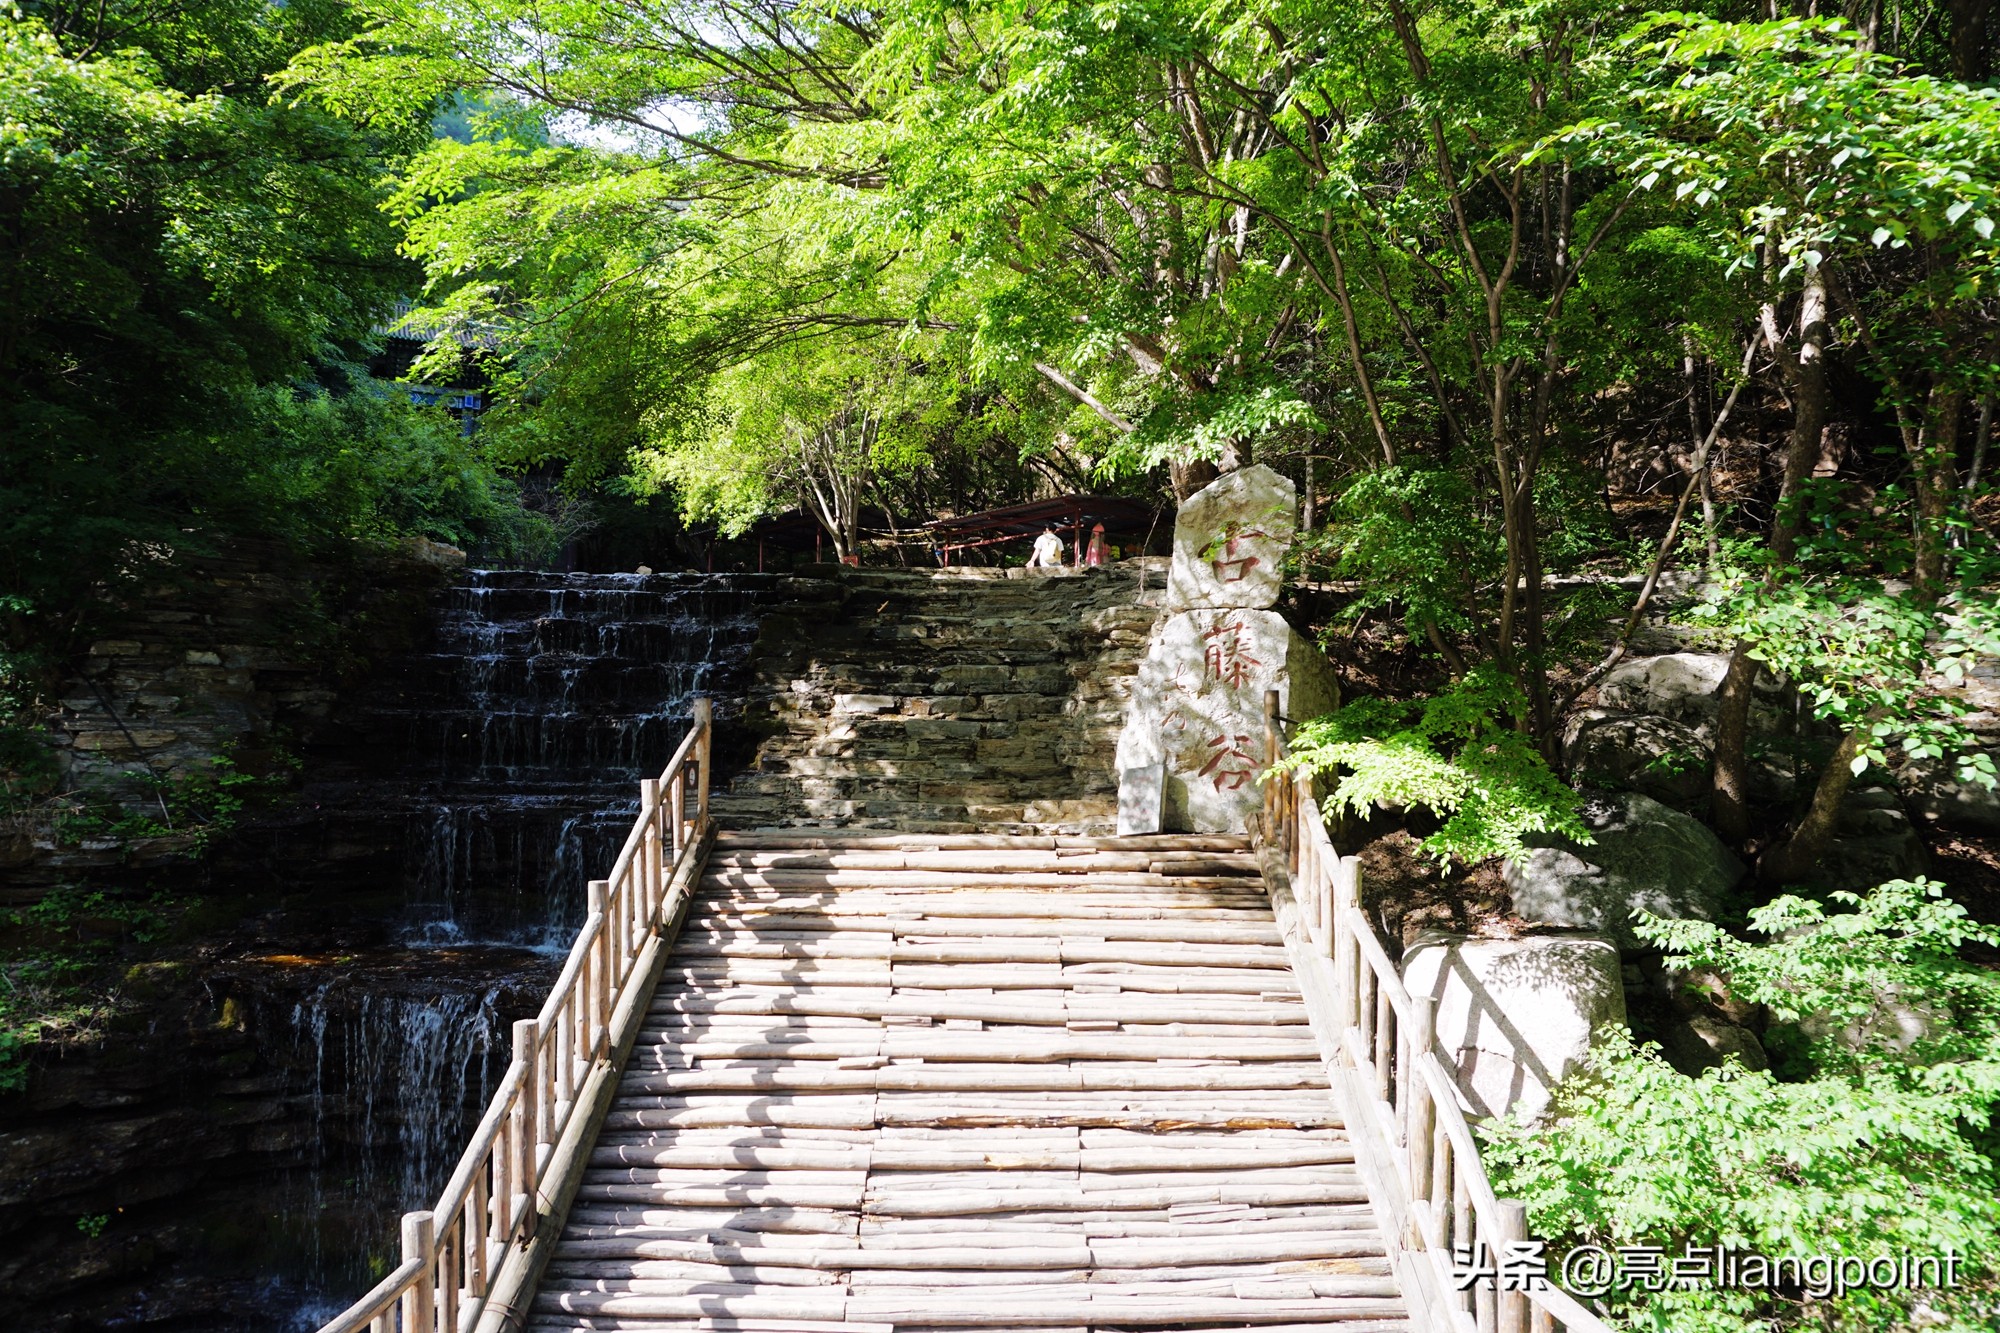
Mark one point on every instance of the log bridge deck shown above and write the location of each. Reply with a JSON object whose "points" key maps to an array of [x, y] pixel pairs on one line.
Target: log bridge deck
{"points": [[806, 1081]]}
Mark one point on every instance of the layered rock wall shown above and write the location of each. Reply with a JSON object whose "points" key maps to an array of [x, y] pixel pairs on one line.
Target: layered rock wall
{"points": [[943, 700], [224, 657]]}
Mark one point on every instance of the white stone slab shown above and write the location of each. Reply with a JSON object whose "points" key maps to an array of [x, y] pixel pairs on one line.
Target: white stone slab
{"points": [[1198, 708], [1230, 541], [1142, 799]]}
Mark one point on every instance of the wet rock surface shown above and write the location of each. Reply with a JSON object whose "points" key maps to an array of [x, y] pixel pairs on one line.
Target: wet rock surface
{"points": [[233, 1152], [233, 1148]]}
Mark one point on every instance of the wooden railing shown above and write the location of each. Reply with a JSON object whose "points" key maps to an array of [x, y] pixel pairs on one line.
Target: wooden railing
{"points": [[1402, 1104], [468, 1260]]}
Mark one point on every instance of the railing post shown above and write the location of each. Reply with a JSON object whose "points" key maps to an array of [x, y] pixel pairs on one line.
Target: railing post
{"points": [[420, 1301], [527, 1052], [1511, 1227], [478, 1225], [704, 749], [450, 1269], [677, 794], [1346, 953], [1420, 1111], [651, 849], [1274, 800], [601, 982]]}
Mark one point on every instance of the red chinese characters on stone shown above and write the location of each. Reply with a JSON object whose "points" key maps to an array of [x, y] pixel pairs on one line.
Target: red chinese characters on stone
{"points": [[1228, 560], [1231, 765], [1226, 654]]}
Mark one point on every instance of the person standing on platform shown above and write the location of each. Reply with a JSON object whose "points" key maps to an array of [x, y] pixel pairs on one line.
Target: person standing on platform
{"points": [[1048, 551], [1093, 554]]}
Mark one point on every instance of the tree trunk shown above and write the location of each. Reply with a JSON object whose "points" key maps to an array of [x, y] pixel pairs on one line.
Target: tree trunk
{"points": [[1796, 857], [1970, 62], [1535, 673], [1190, 477], [1808, 385], [1935, 471], [1979, 441], [1729, 797], [1806, 377]]}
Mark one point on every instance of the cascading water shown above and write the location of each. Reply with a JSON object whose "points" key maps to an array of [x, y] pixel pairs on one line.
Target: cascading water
{"points": [[544, 701], [508, 749], [388, 1059]]}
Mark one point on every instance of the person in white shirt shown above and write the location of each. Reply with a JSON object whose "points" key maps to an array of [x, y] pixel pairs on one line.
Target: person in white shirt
{"points": [[1048, 551]]}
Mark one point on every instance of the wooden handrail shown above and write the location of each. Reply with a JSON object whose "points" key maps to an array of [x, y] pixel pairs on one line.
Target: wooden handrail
{"points": [[1399, 1098], [456, 1255]]}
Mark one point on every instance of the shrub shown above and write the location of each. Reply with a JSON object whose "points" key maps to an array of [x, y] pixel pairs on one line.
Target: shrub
{"points": [[1455, 754], [1864, 1143]]}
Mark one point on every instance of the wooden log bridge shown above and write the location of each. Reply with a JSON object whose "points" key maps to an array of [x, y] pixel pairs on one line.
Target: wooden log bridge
{"points": [[819, 1080]]}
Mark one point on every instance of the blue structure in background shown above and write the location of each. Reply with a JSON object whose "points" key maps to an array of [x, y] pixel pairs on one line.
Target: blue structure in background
{"points": [[404, 341]]}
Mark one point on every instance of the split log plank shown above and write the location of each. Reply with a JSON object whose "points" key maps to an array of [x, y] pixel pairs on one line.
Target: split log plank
{"points": [[1127, 1116]]}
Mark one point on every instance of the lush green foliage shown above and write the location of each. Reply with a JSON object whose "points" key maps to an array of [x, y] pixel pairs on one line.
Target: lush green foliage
{"points": [[1456, 754], [1873, 657], [190, 265], [363, 465], [1869, 1142], [1430, 246], [59, 964]]}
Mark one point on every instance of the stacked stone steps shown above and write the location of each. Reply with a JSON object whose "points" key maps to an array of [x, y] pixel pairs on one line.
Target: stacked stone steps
{"points": [[945, 702]]}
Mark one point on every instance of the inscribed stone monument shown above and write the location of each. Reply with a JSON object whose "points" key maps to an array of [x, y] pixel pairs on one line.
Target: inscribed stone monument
{"points": [[1230, 540], [1193, 742]]}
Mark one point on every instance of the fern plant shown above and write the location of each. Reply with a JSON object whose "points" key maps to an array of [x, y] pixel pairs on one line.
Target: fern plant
{"points": [[1455, 754]]}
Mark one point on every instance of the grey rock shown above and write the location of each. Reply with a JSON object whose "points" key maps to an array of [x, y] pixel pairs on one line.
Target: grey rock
{"points": [[1515, 1016], [1896, 1024], [1667, 760], [1873, 842], [1940, 798], [1646, 856], [1682, 687], [1694, 1042]]}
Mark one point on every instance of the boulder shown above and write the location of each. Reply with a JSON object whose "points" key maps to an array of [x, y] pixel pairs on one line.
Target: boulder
{"points": [[1939, 798], [1670, 761], [1197, 707], [424, 551], [1895, 1025], [1230, 541], [1667, 760], [1645, 856], [1515, 1016], [1695, 1042], [1682, 686], [1873, 842]]}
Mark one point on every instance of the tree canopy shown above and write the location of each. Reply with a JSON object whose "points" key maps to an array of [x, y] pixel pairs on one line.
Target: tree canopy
{"points": [[1542, 303]]}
